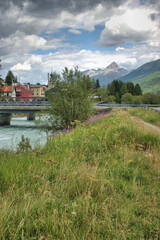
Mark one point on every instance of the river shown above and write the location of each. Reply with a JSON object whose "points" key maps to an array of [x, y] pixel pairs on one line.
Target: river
{"points": [[11, 135]]}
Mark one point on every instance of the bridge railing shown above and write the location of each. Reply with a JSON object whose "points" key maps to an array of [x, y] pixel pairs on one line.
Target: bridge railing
{"points": [[127, 105], [24, 101]]}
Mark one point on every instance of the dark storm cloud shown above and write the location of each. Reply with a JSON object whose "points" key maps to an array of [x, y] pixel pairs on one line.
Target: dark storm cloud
{"points": [[42, 10], [73, 6], [5, 4]]}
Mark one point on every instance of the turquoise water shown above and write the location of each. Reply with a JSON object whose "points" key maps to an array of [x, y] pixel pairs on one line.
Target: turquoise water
{"points": [[11, 135]]}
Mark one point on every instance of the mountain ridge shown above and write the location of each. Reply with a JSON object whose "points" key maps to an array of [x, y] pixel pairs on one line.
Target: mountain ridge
{"points": [[144, 69], [107, 75]]}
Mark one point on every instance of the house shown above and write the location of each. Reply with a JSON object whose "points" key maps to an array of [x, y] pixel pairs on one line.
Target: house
{"points": [[23, 92], [8, 91], [38, 90]]}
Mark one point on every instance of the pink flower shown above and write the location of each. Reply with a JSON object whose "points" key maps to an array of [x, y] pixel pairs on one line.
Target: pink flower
{"points": [[74, 213]]}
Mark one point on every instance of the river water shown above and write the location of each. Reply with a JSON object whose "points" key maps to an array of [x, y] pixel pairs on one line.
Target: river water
{"points": [[11, 135]]}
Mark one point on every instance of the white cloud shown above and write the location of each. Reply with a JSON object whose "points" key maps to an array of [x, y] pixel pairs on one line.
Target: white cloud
{"points": [[119, 49], [134, 25], [75, 31], [39, 66], [21, 67]]}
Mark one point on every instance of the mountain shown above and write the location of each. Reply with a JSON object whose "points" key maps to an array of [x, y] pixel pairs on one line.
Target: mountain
{"points": [[149, 82], [147, 76], [143, 70], [107, 75]]}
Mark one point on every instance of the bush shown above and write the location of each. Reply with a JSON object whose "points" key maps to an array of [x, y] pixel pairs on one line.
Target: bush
{"points": [[151, 98], [127, 98], [137, 100], [71, 99]]}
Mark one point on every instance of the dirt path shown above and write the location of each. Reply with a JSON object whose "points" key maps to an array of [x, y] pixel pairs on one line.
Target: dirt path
{"points": [[157, 129]]}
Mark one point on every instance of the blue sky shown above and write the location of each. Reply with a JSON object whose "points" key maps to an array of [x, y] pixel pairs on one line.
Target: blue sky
{"points": [[39, 36]]}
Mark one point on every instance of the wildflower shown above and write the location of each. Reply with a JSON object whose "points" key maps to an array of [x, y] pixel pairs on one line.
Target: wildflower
{"points": [[74, 213]]}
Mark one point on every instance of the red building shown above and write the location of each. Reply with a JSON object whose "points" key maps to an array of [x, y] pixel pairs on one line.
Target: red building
{"points": [[23, 92]]}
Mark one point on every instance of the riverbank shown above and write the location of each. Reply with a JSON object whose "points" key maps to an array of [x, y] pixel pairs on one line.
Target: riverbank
{"points": [[99, 181]]}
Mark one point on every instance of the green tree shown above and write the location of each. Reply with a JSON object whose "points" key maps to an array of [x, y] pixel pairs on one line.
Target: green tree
{"points": [[111, 99], [137, 90], [117, 98], [127, 98], [10, 78], [97, 84], [111, 88], [71, 99], [130, 87], [151, 98], [102, 94], [137, 99], [123, 89]]}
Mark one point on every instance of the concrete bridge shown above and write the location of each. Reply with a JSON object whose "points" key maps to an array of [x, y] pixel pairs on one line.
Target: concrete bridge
{"points": [[10, 106]]}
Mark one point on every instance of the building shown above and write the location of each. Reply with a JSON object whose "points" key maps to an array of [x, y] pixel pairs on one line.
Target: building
{"points": [[23, 92], [51, 80], [38, 90], [9, 91]]}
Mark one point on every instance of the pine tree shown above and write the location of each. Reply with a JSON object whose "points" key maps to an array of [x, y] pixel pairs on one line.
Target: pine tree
{"points": [[130, 87], [137, 90], [97, 84], [10, 78], [117, 98], [111, 88], [123, 89]]}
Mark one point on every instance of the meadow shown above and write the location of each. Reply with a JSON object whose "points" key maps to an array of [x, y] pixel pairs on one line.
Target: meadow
{"points": [[98, 181], [147, 115]]}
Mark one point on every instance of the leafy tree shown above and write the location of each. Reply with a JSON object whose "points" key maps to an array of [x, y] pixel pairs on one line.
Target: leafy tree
{"points": [[102, 93], [127, 98], [137, 90], [94, 86], [10, 78], [137, 99], [151, 98], [111, 99], [71, 99]]}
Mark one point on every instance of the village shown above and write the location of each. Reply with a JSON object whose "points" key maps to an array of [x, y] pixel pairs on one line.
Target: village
{"points": [[17, 90]]}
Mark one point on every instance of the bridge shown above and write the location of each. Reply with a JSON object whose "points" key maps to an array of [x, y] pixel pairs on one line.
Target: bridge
{"points": [[9, 106]]}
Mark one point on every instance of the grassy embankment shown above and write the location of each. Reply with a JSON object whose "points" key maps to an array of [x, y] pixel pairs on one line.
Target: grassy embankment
{"points": [[146, 115], [104, 184]]}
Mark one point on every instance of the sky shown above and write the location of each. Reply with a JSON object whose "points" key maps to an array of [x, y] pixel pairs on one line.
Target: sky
{"points": [[38, 37]]}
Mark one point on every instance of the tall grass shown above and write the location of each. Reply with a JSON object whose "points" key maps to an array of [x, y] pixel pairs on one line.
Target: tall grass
{"points": [[99, 181], [147, 115]]}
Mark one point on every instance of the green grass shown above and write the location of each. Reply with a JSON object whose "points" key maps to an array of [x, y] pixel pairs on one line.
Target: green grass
{"points": [[105, 185], [146, 115]]}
